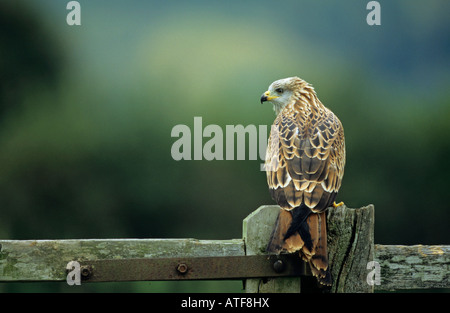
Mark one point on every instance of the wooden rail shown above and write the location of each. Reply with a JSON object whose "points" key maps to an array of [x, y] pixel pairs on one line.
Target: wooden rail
{"points": [[357, 264]]}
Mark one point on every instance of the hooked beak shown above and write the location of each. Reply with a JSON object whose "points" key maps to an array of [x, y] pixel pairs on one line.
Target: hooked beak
{"points": [[267, 97]]}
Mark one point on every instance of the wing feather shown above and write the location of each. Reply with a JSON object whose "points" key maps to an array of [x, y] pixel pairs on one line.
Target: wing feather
{"points": [[305, 159]]}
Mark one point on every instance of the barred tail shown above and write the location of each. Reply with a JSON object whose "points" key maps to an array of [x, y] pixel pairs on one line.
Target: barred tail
{"points": [[306, 232]]}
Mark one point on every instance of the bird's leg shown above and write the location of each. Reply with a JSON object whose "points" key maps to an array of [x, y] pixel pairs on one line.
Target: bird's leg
{"points": [[338, 204]]}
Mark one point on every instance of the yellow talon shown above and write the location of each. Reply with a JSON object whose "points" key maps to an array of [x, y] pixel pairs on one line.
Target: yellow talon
{"points": [[339, 204]]}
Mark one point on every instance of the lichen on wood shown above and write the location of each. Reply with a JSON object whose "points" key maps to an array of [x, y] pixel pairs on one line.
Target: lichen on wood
{"points": [[46, 260], [413, 267]]}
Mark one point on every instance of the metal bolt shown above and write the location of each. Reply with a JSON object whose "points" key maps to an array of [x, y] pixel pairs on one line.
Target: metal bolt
{"points": [[86, 271], [182, 268], [278, 266]]}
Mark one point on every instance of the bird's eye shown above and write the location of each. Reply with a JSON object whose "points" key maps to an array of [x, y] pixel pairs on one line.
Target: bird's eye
{"points": [[279, 90]]}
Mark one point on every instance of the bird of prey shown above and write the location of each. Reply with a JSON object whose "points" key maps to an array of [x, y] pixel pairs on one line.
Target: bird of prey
{"points": [[304, 164]]}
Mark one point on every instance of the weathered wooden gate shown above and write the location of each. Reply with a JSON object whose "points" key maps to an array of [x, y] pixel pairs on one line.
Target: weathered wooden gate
{"points": [[357, 264]]}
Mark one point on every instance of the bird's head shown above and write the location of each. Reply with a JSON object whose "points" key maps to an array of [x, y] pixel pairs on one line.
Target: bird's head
{"points": [[282, 91]]}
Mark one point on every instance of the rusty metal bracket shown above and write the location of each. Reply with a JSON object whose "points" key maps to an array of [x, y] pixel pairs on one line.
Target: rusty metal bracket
{"points": [[193, 268]]}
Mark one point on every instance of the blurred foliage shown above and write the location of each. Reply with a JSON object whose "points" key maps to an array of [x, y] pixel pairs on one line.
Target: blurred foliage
{"points": [[29, 57], [86, 115]]}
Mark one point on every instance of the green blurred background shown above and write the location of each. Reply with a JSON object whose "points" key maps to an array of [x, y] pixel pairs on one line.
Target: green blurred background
{"points": [[86, 114]]}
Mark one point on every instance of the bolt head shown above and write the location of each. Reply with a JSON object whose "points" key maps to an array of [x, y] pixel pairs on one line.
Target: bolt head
{"points": [[182, 268], [85, 271], [278, 266]]}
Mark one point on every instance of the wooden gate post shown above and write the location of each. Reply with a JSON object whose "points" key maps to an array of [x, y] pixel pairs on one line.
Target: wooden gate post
{"points": [[257, 228], [350, 248]]}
